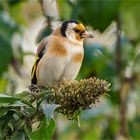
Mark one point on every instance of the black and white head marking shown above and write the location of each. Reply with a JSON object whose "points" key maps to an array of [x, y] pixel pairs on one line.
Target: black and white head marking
{"points": [[65, 25]]}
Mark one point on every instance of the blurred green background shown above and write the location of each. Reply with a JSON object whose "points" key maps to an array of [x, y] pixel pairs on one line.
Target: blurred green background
{"points": [[113, 55]]}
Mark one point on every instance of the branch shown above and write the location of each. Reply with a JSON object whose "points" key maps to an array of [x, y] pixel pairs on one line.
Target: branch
{"points": [[26, 111], [123, 90]]}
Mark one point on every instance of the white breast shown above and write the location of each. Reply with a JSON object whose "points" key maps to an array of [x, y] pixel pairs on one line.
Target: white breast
{"points": [[74, 48], [72, 68]]}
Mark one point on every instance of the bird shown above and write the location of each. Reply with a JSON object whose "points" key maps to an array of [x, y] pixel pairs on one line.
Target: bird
{"points": [[59, 56]]}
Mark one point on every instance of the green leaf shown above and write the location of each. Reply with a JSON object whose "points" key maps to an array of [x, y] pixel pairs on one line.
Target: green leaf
{"points": [[20, 135], [27, 103], [5, 53], [7, 30], [7, 99], [3, 84], [78, 120], [3, 110], [63, 7], [45, 31], [17, 15], [22, 94], [17, 104], [130, 19], [49, 110], [97, 13], [50, 129], [44, 133]]}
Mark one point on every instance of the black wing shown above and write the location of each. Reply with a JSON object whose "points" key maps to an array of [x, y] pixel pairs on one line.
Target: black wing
{"points": [[33, 73]]}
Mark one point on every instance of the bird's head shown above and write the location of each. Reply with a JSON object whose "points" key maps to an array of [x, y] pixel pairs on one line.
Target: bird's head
{"points": [[74, 31]]}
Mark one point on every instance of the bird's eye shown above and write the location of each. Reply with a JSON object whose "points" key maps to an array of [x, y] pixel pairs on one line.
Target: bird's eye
{"points": [[77, 30]]}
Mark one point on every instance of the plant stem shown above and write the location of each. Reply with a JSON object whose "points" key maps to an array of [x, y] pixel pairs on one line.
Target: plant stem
{"points": [[123, 85]]}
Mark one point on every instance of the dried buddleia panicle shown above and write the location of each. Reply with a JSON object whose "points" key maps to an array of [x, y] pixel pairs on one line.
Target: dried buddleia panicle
{"points": [[74, 96]]}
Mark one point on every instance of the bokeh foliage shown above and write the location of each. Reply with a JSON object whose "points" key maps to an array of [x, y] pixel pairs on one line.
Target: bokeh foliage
{"points": [[100, 61]]}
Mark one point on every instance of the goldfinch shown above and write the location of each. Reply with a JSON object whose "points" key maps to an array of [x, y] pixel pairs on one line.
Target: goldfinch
{"points": [[60, 55]]}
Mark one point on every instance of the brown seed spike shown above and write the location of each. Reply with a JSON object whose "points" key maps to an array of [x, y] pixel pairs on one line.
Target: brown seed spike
{"points": [[76, 95]]}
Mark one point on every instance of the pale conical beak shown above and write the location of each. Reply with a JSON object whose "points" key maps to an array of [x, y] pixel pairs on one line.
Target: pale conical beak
{"points": [[86, 34]]}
